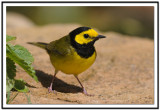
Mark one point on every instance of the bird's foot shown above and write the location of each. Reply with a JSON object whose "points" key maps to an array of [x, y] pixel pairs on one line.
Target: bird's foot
{"points": [[85, 93], [50, 90]]}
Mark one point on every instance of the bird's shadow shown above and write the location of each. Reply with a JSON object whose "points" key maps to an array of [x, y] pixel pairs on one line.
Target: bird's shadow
{"points": [[58, 84]]}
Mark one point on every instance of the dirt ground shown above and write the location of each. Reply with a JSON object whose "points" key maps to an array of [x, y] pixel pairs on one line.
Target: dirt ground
{"points": [[123, 72]]}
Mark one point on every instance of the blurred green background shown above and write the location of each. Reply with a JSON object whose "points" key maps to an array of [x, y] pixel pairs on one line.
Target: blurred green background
{"points": [[132, 20]]}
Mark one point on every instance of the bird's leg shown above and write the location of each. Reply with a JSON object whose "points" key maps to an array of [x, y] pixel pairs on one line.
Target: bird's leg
{"points": [[50, 88], [84, 91]]}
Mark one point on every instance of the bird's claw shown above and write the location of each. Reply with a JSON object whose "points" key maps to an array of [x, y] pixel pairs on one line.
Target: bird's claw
{"points": [[85, 92], [50, 90]]}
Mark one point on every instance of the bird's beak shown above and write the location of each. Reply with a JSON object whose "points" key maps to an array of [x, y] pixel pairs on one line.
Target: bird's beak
{"points": [[99, 37]]}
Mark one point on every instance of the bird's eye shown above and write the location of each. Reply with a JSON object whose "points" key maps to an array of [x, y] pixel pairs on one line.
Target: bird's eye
{"points": [[86, 36]]}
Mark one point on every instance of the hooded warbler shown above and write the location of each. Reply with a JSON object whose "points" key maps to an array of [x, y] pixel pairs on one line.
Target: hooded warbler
{"points": [[73, 53]]}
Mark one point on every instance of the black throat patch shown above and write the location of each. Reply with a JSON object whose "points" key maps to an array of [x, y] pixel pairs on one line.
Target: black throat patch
{"points": [[84, 50]]}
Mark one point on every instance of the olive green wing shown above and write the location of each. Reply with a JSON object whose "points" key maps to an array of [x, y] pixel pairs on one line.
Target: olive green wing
{"points": [[59, 47]]}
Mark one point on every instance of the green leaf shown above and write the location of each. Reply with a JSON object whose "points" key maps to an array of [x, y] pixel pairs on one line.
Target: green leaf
{"points": [[22, 57], [20, 86], [8, 97], [11, 73], [11, 68], [9, 84], [24, 54], [9, 38]]}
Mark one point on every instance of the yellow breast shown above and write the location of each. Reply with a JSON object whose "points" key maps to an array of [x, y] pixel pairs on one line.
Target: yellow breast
{"points": [[73, 63]]}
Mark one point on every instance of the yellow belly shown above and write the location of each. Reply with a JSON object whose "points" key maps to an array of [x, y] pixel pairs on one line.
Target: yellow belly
{"points": [[72, 64]]}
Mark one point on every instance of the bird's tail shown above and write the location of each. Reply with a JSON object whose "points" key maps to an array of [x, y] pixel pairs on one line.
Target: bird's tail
{"points": [[39, 44]]}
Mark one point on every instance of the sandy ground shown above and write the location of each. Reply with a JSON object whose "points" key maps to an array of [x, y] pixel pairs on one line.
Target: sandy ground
{"points": [[123, 72]]}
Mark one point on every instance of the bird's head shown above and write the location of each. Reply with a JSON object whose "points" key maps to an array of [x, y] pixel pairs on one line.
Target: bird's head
{"points": [[84, 36]]}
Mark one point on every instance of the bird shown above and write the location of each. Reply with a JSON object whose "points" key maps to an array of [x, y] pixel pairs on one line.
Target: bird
{"points": [[73, 53]]}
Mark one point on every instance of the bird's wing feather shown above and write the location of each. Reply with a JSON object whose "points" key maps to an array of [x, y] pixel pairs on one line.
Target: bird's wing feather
{"points": [[59, 47]]}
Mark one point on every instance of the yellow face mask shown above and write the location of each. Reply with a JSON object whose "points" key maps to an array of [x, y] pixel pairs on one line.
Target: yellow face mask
{"points": [[86, 36]]}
